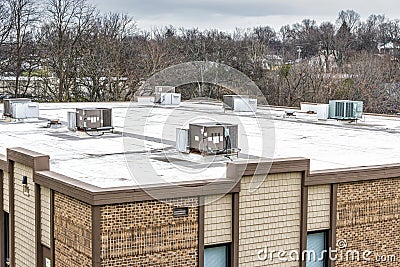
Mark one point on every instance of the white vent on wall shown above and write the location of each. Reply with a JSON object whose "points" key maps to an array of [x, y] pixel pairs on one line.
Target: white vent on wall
{"points": [[181, 212]]}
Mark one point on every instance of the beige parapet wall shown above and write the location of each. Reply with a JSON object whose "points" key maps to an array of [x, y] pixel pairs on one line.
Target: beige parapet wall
{"points": [[45, 207], [24, 216], [349, 203], [270, 216], [20, 195], [319, 208], [218, 220]]}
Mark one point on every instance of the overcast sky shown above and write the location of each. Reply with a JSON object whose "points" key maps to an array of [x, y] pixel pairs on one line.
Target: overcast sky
{"points": [[229, 14]]}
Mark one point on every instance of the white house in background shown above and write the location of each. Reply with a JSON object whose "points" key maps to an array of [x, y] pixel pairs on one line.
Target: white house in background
{"points": [[390, 48], [328, 63], [270, 62]]}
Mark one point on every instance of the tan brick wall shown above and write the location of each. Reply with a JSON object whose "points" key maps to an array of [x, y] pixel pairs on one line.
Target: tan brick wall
{"points": [[147, 234], [270, 216], [218, 220], [24, 208], [319, 206], [6, 194], [45, 215], [368, 218], [72, 232]]}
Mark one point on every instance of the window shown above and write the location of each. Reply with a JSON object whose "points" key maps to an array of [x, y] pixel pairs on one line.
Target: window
{"points": [[216, 256], [6, 237], [316, 249]]}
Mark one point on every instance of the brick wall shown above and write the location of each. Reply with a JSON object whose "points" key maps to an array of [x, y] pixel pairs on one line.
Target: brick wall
{"points": [[319, 207], [147, 234], [25, 242], [368, 219], [270, 217], [6, 194], [45, 215], [218, 220], [72, 232]]}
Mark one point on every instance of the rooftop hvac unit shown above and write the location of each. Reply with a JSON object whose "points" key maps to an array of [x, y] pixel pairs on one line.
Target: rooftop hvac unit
{"points": [[92, 119], [8, 104], [345, 109], [322, 110], [240, 103], [170, 99], [159, 90], [213, 138], [21, 108]]}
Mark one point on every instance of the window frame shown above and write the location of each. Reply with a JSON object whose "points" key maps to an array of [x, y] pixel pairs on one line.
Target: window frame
{"points": [[228, 247], [326, 244]]}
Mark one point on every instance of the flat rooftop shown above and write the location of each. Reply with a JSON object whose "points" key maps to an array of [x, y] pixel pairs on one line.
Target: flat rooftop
{"points": [[145, 135]]}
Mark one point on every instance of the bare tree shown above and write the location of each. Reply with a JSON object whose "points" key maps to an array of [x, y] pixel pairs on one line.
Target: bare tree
{"points": [[24, 20], [68, 21], [5, 29], [102, 70], [349, 17], [327, 43]]}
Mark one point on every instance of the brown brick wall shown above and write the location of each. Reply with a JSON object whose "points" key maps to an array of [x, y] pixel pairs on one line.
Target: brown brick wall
{"points": [[147, 234], [368, 220], [72, 232]]}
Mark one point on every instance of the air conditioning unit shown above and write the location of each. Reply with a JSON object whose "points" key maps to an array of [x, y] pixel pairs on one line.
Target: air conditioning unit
{"points": [[213, 138], [91, 119], [345, 109], [20, 108], [170, 99], [322, 110], [240, 103], [159, 90]]}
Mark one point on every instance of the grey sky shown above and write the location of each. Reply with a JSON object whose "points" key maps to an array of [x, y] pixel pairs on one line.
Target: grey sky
{"points": [[229, 14]]}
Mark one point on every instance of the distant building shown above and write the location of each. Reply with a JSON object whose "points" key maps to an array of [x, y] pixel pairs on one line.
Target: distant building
{"points": [[327, 62], [271, 62], [392, 49]]}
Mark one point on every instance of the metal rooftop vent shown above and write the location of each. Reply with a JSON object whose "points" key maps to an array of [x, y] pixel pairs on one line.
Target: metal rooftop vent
{"points": [[170, 99], [209, 138], [91, 120], [20, 108], [345, 109], [240, 103], [322, 110], [159, 90], [181, 212]]}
